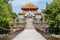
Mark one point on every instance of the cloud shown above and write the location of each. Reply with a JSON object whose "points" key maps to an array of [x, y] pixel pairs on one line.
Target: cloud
{"points": [[23, 2], [17, 4]]}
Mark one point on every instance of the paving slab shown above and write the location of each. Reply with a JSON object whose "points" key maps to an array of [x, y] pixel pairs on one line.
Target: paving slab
{"points": [[31, 34]]}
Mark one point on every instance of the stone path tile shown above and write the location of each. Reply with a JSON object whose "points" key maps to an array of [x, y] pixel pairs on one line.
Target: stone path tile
{"points": [[31, 34]]}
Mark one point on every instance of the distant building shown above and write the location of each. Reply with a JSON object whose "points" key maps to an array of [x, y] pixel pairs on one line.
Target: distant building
{"points": [[29, 11]]}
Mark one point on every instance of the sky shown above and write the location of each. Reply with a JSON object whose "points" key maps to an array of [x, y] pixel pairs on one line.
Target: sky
{"points": [[17, 4]]}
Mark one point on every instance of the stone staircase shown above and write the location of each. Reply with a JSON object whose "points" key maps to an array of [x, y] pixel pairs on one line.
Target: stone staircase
{"points": [[29, 24]]}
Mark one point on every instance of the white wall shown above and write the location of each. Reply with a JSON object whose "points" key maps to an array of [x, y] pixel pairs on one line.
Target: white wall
{"points": [[21, 16], [38, 16]]}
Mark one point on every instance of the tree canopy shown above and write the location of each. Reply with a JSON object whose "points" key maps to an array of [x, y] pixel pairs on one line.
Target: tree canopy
{"points": [[52, 14], [6, 14]]}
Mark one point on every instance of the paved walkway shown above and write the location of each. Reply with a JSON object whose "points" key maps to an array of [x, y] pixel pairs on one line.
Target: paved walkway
{"points": [[29, 35]]}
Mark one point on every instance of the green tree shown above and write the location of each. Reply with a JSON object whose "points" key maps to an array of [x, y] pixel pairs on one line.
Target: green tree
{"points": [[52, 15], [14, 15], [6, 14]]}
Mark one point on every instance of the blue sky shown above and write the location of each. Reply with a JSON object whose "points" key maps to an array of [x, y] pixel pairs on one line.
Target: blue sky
{"points": [[17, 4]]}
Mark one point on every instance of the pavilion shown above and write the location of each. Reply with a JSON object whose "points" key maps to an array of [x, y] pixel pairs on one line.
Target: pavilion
{"points": [[30, 11]]}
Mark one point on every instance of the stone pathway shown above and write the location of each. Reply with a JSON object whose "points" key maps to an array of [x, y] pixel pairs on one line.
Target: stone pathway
{"points": [[29, 35]]}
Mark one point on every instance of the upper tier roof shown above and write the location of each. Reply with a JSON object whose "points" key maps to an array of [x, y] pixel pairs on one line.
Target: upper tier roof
{"points": [[29, 7]]}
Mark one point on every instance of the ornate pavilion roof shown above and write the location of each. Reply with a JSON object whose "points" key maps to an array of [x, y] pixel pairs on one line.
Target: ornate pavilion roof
{"points": [[36, 13], [21, 13], [29, 7]]}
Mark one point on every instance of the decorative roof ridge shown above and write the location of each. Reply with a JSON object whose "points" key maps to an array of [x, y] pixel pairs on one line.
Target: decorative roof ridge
{"points": [[28, 6]]}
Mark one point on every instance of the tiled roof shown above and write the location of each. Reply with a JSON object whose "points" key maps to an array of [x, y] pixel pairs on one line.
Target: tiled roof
{"points": [[29, 6], [36, 13], [22, 13]]}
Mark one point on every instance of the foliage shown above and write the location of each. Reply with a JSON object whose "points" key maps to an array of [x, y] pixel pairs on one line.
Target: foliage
{"points": [[14, 15], [52, 15], [5, 14]]}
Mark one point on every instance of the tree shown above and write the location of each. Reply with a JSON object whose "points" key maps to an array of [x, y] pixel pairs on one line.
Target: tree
{"points": [[52, 15], [14, 15], [5, 15]]}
